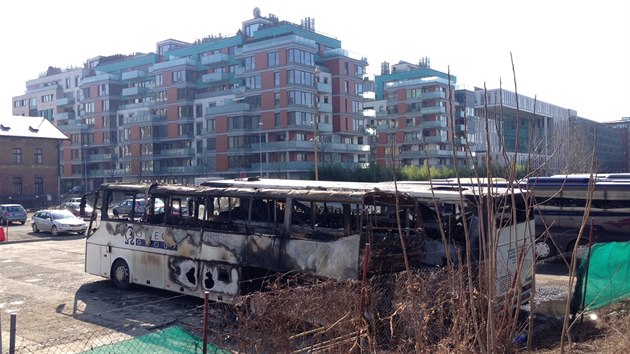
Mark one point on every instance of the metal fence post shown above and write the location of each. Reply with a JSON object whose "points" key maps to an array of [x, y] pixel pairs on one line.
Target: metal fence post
{"points": [[205, 322], [12, 334]]}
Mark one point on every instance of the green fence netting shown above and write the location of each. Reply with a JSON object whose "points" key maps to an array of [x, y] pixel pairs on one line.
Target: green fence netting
{"points": [[603, 277], [171, 340]]}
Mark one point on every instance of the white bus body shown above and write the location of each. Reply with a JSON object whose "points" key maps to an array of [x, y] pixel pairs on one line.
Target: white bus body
{"points": [[227, 236]]}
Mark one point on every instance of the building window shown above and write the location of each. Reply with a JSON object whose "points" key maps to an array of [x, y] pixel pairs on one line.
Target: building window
{"points": [[39, 185], [250, 63], [160, 96], [253, 82], [103, 90], [273, 58], [210, 125], [38, 155], [17, 156], [17, 185], [276, 78], [300, 57], [159, 80], [277, 99], [179, 76], [276, 120]]}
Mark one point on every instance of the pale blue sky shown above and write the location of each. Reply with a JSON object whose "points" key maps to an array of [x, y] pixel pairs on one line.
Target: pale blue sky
{"points": [[575, 54]]}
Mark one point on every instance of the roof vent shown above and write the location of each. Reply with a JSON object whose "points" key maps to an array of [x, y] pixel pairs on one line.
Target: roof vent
{"points": [[34, 130], [5, 128]]}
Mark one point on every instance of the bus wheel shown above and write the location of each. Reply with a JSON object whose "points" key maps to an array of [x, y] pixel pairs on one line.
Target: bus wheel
{"points": [[545, 249], [120, 274]]}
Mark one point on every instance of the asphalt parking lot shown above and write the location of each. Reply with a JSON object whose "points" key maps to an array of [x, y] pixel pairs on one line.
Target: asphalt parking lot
{"points": [[58, 305]]}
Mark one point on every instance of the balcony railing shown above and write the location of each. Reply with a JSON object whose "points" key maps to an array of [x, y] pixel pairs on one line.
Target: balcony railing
{"points": [[433, 110], [433, 95], [134, 91], [324, 88], [215, 77], [234, 107], [134, 74], [64, 101], [215, 59], [437, 124]]}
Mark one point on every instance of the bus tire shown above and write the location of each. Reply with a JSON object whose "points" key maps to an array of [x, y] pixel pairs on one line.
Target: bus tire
{"points": [[545, 249], [120, 274]]}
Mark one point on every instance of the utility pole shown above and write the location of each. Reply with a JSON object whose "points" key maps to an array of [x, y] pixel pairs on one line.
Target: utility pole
{"points": [[315, 121]]}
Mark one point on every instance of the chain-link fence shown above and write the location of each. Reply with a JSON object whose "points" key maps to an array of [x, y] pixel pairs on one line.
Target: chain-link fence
{"points": [[420, 311], [105, 332]]}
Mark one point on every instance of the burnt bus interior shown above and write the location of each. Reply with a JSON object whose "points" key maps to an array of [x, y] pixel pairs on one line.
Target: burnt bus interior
{"points": [[314, 215]]}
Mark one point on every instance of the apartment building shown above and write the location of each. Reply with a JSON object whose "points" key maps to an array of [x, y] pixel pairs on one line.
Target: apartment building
{"points": [[276, 98], [415, 120], [279, 99]]}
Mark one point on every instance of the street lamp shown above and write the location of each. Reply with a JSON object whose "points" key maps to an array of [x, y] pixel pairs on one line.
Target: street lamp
{"points": [[85, 175], [260, 125], [315, 112], [371, 131]]}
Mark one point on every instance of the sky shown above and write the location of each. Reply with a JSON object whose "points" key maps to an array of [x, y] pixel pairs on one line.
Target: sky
{"points": [[573, 54]]}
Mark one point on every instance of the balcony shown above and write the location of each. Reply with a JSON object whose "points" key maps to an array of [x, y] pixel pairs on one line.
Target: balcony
{"points": [[215, 59], [172, 64], [134, 74], [134, 91], [143, 118], [324, 107], [433, 95], [65, 101], [102, 157], [227, 108], [180, 170], [324, 88], [434, 139], [215, 77], [436, 124], [324, 128], [433, 110], [176, 153], [97, 78], [64, 115], [286, 145]]}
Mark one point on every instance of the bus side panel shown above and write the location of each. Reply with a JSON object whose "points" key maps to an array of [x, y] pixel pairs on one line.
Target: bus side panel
{"points": [[514, 246], [148, 269], [99, 262], [332, 259]]}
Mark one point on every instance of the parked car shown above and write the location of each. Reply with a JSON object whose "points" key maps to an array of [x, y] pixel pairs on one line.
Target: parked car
{"points": [[124, 207], [75, 208], [12, 212], [57, 221]]}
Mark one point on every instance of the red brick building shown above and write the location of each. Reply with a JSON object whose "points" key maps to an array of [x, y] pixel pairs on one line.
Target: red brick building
{"points": [[29, 163]]}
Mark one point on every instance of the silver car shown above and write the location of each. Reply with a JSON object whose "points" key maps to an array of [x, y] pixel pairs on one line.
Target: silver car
{"points": [[57, 222], [12, 212]]}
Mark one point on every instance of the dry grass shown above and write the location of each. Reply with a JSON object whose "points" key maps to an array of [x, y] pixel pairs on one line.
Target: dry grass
{"points": [[416, 312]]}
